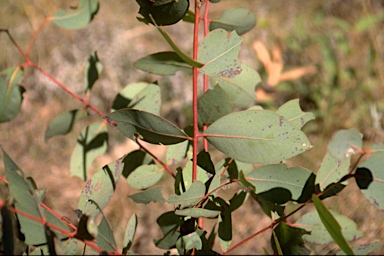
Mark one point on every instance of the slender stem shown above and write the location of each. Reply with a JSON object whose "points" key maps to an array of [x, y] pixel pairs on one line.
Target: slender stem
{"points": [[205, 77], [15, 44], [165, 166], [35, 34], [194, 90]]}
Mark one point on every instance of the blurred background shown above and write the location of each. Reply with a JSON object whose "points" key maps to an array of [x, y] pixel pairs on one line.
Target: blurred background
{"points": [[342, 42]]}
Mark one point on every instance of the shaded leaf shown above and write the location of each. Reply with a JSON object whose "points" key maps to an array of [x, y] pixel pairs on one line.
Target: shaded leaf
{"points": [[219, 52], [64, 123], [252, 136], [363, 177], [133, 160], [169, 223], [202, 175], [292, 112], [331, 225], [145, 176], [277, 195], [147, 196], [332, 190], [141, 96], [268, 207], [332, 170], [191, 197], [240, 19], [308, 190], [91, 143], [215, 183], [92, 71], [205, 162], [197, 213], [246, 183], [192, 241], [364, 249], [237, 200], [290, 239], [11, 94], [130, 233], [344, 142], [7, 229], [85, 228], [87, 9], [104, 238], [154, 129], [176, 152], [100, 189], [225, 225], [274, 176], [212, 105], [163, 63], [241, 88]]}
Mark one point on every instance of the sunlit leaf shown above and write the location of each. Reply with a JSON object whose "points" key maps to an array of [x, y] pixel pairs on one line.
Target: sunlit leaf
{"points": [[219, 52], [130, 233], [148, 196], [176, 153], [202, 175], [169, 223], [192, 241], [104, 238], [145, 176], [240, 19], [11, 94], [142, 96], [91, 143], [100, 189], [152, 128], [192, 196], [163, 63], [212, 105], [344, 143], [332, 170], [253, 136], [64, 123], [85, 12], [197, 213], [293, 113]]}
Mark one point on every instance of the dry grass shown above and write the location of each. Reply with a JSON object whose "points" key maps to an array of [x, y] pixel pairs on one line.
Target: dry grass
{"points": [[120, 40]]}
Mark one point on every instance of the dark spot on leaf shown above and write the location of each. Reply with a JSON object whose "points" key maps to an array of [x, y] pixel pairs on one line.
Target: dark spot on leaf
{"points": [[363, 177]]}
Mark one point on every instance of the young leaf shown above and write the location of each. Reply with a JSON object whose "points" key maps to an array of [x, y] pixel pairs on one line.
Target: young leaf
{"points": [[147, 196], [92, 71], [87, 9], [100, 189], [252, 136], [272, 176], [163, 63], [374, 192], [145, 176], [290, 240], [332, 170], [163, 12], [319, 234], [197, 213], [154, 129], [293, 113], [241, 88], [104, 238], [331, 225], [64, 123], [219, 52], [212, 105], [91, 143], [240, 19], [191, 197], [130, 233], [142, 96], [344, 142], [11, 94]]}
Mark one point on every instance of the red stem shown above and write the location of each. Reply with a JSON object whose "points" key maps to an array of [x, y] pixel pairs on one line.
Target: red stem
{"points": [[205, 77]]}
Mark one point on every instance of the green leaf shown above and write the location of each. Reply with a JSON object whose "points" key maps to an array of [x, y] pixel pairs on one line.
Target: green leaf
{"points": [[245, 183], [240, 19], [202, 175], [331, 225], [237, 200], [290, 240], [130, 233], [142, 96], [219, 52], [241, 88], [192, 241], [104, 238], [163, 63], [212, 105], [364, 249], [215, 183], [319, 234], [169, 223], [293, 113], [11, 94], [133, 160], [374, 192], [154, 129], [191, 197], [332, 170], [363, 177], [205, 162], [145, 176], [147, 196], [179, 52], [100, 189], [368, 21], [87, 9], [8, 231], [279, 176], [64, 123], [91, 143], [163, 12], [252, 136], [197, 213], [176, 153], [92, 71], [225, 225], [344, 143]]}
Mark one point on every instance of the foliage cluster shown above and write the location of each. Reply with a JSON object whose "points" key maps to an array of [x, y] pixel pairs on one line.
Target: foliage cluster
{"points": [[257, 143]]}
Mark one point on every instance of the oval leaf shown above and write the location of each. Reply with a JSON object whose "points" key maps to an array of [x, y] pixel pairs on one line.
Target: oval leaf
{"points": [[148, 196], [192, 196], [153, 128], [11, 94], [145, 176], [130, 232], [212, 105], [252, 136], [344, 143], [197, 213], [293, 113], [240, 19]]}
